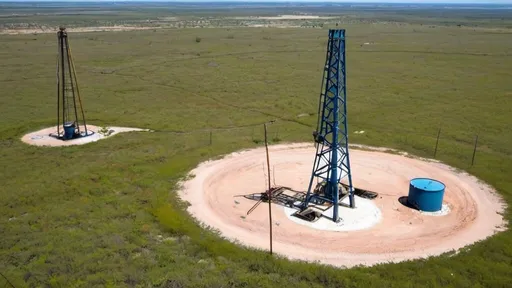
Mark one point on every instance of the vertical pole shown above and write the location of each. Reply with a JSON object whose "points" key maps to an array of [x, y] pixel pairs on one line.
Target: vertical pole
{"points": [[269, 188], [345, 121], [70, 70], [332, 173], [61, 34], [474, 151], [334, 157], [210, 137], [335, 145], [437, 141], [58, 87]]}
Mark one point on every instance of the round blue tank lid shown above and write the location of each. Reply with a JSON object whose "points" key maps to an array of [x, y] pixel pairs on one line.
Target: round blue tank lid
{"points": [[427, 184]]}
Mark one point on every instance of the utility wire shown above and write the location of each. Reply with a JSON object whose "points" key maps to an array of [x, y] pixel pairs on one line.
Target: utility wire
{"points": [[212, 129], [7, 280]]}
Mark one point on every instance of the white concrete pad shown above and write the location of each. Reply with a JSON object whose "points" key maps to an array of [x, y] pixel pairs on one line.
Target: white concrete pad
{"points": [[365, 215], [46, 137], [445, 209]]}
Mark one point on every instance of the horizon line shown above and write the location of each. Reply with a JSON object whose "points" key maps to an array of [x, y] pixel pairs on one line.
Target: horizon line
{"points": [[496, 2]]}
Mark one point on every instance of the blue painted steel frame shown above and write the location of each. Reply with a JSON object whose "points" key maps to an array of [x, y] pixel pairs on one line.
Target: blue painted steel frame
{"points": [[331, 136]]}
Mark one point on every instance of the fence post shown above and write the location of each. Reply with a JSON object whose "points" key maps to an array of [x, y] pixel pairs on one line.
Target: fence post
{"points": [[269, 189], [437, 142], [474, 151]]}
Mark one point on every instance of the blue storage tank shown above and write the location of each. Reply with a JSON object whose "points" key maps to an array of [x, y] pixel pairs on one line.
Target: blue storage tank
{"points": [[426, 194], [69, 130]]}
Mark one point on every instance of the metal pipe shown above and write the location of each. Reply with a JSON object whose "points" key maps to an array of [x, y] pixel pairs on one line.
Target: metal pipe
{"points": [[332, 173], [61, 36], [78, 90], [70, 71], [58, 90]]}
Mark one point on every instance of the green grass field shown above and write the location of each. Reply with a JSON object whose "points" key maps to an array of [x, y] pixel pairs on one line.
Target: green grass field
{"points": [[106, 214]]}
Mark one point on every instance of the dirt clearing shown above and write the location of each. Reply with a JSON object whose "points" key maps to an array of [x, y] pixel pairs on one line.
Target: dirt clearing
{"points": [[46, 137], [399, 233]]}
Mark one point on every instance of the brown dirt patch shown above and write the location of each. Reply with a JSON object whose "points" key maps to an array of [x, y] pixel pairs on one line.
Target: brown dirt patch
{"points": [[402, 234]]}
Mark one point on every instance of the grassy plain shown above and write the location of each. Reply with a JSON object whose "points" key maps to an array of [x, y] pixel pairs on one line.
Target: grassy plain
{"points": [[106, 214]]}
